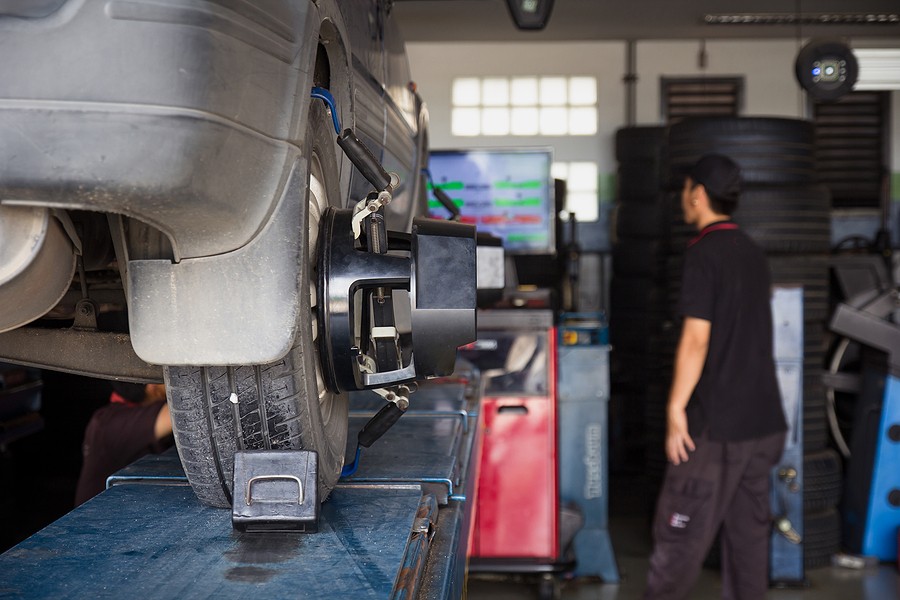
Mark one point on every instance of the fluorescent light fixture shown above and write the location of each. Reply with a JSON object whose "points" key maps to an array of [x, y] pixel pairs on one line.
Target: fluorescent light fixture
{"points": [[879, 68]]}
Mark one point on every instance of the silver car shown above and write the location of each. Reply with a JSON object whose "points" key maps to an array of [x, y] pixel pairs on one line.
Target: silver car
{"points": [[164, 171]]}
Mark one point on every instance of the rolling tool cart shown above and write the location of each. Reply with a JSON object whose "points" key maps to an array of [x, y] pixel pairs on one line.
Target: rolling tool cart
{"points": [[516, 528], [543, 482]]}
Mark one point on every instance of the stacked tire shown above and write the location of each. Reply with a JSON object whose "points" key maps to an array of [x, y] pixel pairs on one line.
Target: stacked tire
{"points": [[638, 303], [788, 215]]}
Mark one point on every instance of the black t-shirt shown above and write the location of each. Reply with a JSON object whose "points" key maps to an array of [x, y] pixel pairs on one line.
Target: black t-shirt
{"points": [[117, 435], [726, 282]]}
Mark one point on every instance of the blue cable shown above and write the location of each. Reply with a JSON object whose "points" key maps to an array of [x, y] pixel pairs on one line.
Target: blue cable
{"points": [[323, 94], [350, 469]]}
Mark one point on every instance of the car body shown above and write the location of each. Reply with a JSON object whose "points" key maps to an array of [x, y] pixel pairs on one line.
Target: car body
{"points": [[152, 157]]}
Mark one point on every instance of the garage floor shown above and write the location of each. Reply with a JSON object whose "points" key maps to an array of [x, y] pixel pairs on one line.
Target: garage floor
{"points": [[632, 547], [629, 527]]}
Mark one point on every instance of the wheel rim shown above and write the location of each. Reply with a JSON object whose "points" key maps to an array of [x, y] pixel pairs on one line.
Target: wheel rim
{"points": [[318, 202]]}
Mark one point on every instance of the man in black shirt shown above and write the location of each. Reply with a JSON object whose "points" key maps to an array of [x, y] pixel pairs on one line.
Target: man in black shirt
{"points": [[725, 424]]}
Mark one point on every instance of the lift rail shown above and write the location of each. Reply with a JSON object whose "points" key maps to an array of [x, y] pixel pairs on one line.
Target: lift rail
{"points": [[397, 528]]}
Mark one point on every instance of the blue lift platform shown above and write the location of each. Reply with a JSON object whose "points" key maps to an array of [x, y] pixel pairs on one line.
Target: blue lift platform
{"points": [[397, 528]]}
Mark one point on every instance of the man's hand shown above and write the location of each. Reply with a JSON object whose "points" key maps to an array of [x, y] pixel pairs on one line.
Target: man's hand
{"points": [[678, 440], [689, 360]]}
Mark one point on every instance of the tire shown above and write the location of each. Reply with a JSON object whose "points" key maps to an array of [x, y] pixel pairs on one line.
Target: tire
{"points": [[782, 220], [680, 233], [633, 330], [635, 294], [821, 537], [639, 258], [822, 480], [810, 271], [645, 221], [282, 405], [770, 151], [639, 181], [639, 143]]}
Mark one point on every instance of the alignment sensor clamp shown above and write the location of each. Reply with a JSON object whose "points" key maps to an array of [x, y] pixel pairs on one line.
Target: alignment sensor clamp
{"points": [[372, 337]]}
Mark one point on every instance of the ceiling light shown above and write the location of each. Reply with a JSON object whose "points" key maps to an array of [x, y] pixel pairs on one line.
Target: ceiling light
{"points": [[879, 68]]}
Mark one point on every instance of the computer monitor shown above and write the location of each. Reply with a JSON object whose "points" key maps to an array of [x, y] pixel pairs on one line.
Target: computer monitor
{"points": [[505, 192]]}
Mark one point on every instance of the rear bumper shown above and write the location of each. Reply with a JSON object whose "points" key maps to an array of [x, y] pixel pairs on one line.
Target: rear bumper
{"points": [[207, 183], [189, 116]]}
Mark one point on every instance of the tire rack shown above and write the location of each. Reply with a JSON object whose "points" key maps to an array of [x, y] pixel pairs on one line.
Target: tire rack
{"points": [[398, 527]]}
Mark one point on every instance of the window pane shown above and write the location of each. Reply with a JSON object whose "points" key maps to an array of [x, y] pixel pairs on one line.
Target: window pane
{"points": [[559, 170], [495, 121], [584, 205], [466, 121], [525, 121], [495, 92], [582, 177], [466, 92], [583, 121], [583, 91], [554, 121], [553, 91], [524, 91]]}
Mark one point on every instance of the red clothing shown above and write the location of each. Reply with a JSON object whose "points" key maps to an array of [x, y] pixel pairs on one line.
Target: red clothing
{"points": [[117, 435]]}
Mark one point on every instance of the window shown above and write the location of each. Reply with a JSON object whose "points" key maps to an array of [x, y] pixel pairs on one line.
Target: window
{"points": [[700, 97], [850, 147], [581, 188], [524, 106]]}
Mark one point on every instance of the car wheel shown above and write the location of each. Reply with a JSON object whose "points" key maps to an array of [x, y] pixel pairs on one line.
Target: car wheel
{"points": [[217, 411]]}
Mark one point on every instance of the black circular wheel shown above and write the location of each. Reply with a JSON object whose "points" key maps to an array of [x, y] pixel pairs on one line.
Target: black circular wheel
{"points": [[217, 411]]}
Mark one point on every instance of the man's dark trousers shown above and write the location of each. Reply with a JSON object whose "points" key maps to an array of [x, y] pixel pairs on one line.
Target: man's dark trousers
{"points": [[722, 483]]}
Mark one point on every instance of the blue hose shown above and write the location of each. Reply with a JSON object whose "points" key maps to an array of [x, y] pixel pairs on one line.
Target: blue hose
{"points": [[323, 94], [350, 469]]}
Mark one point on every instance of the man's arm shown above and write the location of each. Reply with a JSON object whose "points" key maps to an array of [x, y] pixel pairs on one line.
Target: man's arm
{"points": [[689, 360], [162, 427]]}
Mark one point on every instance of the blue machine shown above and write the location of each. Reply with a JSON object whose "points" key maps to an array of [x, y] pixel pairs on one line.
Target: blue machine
{"points": [[786, 490], [871, 508], [583, 400]]}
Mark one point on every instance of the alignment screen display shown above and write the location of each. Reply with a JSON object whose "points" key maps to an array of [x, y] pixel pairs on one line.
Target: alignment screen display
{"points": [[504, 192]]}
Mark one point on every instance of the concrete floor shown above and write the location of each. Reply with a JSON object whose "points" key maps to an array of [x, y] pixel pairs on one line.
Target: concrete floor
{"points": [[632, 547]]}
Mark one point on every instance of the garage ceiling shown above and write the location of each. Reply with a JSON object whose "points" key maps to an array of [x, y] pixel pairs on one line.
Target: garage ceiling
{"points": [[489, 20]]}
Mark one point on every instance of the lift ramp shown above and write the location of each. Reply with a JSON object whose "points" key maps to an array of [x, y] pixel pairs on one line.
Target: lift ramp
{"points": [[398, 528]]}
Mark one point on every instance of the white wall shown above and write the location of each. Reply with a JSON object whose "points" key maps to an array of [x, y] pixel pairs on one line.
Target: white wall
{"points": [[434, 66], [767, 66]]}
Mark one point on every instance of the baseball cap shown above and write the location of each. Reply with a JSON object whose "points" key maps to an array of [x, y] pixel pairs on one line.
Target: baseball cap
{"points": [[719, 175]]}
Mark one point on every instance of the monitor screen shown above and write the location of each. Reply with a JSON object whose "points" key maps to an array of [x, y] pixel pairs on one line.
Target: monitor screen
{"points": [[508, 193]]}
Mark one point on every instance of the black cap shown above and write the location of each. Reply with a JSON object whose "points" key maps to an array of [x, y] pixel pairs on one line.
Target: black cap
{"points": [[719, 175]]}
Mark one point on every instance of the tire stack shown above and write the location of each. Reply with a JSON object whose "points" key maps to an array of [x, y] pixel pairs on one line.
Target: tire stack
{"points": [[788, 215], [637, 289]]}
